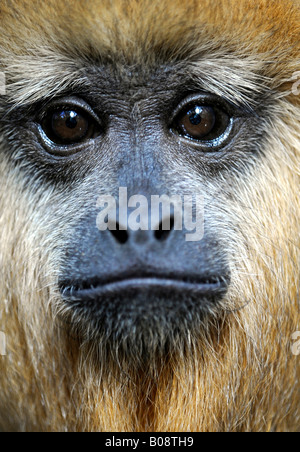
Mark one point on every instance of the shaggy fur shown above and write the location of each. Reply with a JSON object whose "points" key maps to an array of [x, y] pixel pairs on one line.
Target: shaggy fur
{"points": [[238, 373]]}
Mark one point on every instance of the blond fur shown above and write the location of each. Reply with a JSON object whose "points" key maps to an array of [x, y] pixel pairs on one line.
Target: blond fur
{"points": [[239, 374]]}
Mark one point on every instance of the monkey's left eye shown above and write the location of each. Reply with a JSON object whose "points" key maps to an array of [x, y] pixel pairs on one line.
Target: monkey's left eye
{"points": [[67, 126], [205, 123]]}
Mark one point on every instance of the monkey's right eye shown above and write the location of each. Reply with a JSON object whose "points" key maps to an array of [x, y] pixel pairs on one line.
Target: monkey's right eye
{"points": [[69, 124], [68, 127]]}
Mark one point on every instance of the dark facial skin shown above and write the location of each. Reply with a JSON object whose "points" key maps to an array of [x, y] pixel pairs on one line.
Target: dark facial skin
{"points": [[155, 134]]}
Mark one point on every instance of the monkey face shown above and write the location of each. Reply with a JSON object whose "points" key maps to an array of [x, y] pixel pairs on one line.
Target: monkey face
{"points": [[136, 139], [111, 139], [149, 215], [143, 280], [112, 144]]}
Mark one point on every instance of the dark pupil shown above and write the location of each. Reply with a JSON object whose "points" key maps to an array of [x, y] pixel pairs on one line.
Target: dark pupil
{"points": [[69, 126], [195, 118], [71, 120], [197, 122]]}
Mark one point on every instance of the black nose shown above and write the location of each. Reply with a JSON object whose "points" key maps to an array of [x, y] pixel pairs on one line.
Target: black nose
{"points": [[160, 233]]}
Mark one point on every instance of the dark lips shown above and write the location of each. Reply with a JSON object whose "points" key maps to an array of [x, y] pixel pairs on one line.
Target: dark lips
{"points": [[134, 307], [97, 288]]}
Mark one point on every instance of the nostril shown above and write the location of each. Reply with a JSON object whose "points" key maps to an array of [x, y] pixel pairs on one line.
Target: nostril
{"points": [[163, 231], [161, 234], [120, 235]]}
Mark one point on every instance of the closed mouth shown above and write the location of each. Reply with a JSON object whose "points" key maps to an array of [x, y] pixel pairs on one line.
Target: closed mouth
{"points": [[99, 288]]}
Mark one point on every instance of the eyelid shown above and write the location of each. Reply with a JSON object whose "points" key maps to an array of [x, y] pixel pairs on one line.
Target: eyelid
{"points": [[64, 103], [73, 103], [207, 99], [215, 142], [59, 150], [224, 107]]}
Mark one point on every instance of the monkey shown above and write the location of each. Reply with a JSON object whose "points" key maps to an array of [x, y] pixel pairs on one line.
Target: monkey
{"points": [[139, 329]]}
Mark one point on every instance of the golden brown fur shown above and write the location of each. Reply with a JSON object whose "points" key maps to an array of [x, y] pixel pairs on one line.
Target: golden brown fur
{"points": [[241, 375]]}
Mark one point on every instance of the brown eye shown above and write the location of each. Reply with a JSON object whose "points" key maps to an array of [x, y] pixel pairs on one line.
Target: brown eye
{"points": [[197, 122], [202, 123], [68, 126]]}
